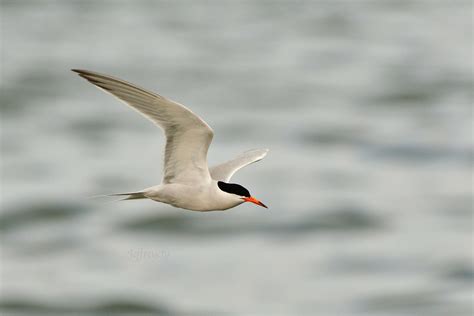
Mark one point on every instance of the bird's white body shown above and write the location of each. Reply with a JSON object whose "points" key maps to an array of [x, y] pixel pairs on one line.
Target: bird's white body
{"points": [[204, 197], [187, 182]]}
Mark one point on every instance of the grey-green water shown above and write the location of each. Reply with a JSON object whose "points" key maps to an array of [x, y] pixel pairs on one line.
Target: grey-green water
{"points": [[365, 105]]}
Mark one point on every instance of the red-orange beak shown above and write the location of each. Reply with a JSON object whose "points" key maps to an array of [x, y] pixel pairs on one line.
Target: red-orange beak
{"points": [[254, 200]]}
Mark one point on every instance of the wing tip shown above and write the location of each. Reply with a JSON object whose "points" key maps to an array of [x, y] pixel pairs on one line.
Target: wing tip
{"points": [[83, 73], [86, 74], [92, 77], [263, 151], [80, 71]]}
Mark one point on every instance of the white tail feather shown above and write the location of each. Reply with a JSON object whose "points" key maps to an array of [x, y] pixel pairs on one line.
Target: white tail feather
{"points": [[131, 195]]}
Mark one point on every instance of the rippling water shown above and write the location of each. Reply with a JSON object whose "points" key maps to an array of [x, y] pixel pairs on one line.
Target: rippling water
{"points": [[366, 107]]}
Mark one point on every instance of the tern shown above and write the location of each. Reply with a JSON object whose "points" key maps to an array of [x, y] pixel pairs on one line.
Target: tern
{"points": [[188, 182]]}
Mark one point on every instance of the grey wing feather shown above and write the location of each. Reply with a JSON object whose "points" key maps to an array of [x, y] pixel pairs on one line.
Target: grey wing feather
{"points": [[224, 171], [187, 136]]}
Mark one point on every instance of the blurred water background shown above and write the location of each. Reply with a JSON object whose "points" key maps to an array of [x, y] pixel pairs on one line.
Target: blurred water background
{"points": [[365, 105]]}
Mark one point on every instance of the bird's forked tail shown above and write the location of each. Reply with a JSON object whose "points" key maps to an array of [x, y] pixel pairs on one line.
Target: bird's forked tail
{"points": [[131, 195]]}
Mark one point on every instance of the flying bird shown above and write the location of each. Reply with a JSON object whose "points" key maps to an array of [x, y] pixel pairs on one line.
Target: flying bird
{"points": [[187, 182]]}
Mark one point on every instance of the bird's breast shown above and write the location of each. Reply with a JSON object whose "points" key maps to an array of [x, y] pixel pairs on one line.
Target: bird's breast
{"points": [[193, 197]]}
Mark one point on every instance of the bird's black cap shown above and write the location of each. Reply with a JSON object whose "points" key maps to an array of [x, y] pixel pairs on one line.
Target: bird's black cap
{"points": [[233, 188]]}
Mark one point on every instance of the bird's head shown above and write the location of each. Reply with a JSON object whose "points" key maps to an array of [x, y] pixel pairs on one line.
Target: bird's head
{"points": [[239, 192]]}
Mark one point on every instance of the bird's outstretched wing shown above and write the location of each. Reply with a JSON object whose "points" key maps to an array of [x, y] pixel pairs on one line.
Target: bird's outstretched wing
{"points": [[187, 136], [226, 170]]}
